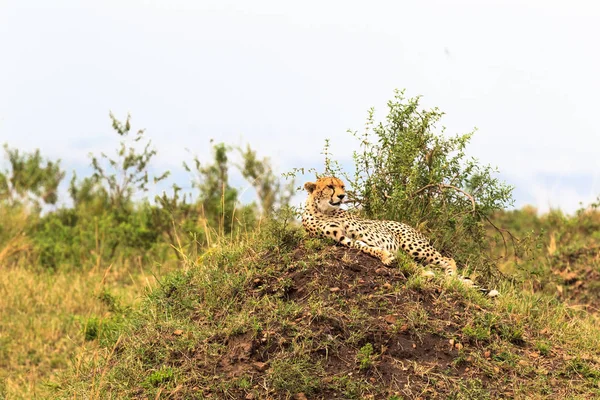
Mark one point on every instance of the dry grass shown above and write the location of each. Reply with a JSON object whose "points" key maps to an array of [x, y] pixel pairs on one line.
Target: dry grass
{"points": [[42, 318], [13, 241]]}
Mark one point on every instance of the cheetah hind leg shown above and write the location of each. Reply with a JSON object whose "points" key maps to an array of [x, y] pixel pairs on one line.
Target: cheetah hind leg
{"points": [[384, 255], [427, 273], [387, 258], [449, 266], [469, 282]]}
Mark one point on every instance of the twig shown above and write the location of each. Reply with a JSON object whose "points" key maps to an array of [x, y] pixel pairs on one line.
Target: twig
{"points": [[445, 185], [501, 231]]}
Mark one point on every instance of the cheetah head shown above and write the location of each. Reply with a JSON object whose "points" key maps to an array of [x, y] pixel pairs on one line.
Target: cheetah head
{"points": [[326, 193]]}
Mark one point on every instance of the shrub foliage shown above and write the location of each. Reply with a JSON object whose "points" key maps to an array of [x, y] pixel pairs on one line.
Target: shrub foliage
{"points": [[406, 169]]}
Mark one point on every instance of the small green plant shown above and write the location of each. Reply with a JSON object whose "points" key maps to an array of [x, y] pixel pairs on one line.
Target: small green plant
{"points": [[351, 387], [244, 383], [406, 264], [543, 346], [91, 330], [417, 317], [110, 300], [476, 332], [365, 357], [473, 389], [506, 357], [481, 328], [511, 333], [295, 375], [160, 377], [281, 232], [416, 282], [461, 358], [578, 366]]}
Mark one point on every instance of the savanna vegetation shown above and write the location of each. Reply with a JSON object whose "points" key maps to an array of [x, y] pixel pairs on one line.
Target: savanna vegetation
{"points": [[109, 293]]}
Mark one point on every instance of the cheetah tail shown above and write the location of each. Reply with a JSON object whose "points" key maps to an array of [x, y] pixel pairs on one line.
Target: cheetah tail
{"points": [[485, 291]]}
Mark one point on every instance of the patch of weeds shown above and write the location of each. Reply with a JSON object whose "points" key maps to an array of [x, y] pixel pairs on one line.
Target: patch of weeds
{"points": [[415, 282], [295, 375], [351, 387], [472, 389], [406, 264], [460, 359], [481, 329], [341, 302], [579, 367], [244, 383], [395, 397], [314, 244], [454, 285], [594, 286], [106, 331], [543, 385], [91, 330], [160, 377], [357, 316], [543, 346], [317, 306], [356, 336], [280, 231], [417, 317], [476, 332], [506, 357], [283, 287], [150, 355], [239, 324], [110, 300], [511, 333], [365, 357]]}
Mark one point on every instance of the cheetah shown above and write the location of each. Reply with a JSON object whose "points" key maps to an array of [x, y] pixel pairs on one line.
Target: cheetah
{"points": [[323, 216]]}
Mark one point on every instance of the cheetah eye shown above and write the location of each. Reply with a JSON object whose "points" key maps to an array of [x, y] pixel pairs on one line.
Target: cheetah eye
{"points": [[330, 187]]}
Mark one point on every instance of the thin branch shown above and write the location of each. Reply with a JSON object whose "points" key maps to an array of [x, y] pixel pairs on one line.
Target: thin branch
{"points": [[444, 185], [501, 231]]}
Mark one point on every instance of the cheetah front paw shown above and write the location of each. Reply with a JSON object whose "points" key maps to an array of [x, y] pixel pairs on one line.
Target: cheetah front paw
{"points": [[387, 258], [427, 273]]}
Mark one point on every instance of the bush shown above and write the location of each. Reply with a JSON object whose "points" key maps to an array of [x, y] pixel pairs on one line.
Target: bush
{"points": [[407, 170]]}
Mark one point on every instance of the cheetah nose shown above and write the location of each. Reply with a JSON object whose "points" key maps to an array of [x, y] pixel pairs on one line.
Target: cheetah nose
{"points": [[341, 196]]}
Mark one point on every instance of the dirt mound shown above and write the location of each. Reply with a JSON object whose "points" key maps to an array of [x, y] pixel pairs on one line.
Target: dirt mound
{"points": [[381, 346], [360, 330], [326, 322]]}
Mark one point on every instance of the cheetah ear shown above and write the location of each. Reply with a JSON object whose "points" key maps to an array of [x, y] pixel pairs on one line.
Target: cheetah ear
{"points": [[310, 186]]}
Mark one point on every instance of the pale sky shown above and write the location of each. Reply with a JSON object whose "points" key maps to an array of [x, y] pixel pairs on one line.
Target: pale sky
{"points": [[284, 76]]}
